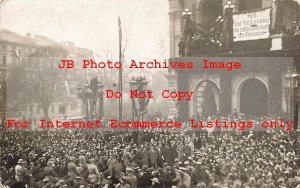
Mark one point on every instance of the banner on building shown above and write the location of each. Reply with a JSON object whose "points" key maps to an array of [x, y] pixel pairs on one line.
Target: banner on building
{"points": [[252, 25]]}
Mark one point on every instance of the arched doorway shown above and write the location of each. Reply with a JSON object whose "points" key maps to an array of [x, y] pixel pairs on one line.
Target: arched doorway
{"points": [[254, 98], [206, 99]]}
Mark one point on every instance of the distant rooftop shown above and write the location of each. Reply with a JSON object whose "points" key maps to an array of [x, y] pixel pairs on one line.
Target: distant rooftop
{"points": [[40, 40], [12, 37]]}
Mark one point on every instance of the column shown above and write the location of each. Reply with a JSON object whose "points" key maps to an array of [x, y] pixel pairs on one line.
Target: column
{"points": [[225, 93]]}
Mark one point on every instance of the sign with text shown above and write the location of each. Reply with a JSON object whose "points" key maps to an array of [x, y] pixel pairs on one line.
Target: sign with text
{"points": [[252, 25]]}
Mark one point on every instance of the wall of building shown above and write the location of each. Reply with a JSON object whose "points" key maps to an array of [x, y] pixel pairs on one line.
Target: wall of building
{"points": [[17, 49]]}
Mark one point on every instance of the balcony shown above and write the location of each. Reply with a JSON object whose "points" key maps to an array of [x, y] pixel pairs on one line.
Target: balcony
{"points": [[243, 48], [250, 33]]}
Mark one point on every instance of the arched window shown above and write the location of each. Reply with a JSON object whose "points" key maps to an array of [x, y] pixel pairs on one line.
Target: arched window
{"points": [[211, 9], [287, 13], [245, 5]]}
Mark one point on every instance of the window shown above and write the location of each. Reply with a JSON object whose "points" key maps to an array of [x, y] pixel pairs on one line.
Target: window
{"points": [[210, 11], [245, 5], [4, 60], [289, 12], [4, 47]]}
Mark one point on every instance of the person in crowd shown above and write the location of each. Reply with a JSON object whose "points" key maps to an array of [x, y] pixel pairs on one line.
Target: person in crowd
{"points": [[49, 170], [83, 167], [145, 178], [130, 178], [123, 183], [153, 157], [156, 183], [166, 158], [18, 168], [181, 47], [72, 169], [93, 172], [199, 174], [188, 46], [127, 157]]}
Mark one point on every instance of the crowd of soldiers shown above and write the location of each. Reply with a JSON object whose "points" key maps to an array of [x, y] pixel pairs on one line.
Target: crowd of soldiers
{"points": [[149, 158]]}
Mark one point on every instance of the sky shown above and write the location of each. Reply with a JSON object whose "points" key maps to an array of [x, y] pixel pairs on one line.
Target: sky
{"points": [[93, 24]]}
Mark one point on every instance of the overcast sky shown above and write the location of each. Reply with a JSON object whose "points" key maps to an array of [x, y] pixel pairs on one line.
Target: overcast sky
{"points": [[93, 24]]}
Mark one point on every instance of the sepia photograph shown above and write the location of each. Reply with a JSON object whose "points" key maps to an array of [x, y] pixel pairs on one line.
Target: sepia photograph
{"points": [[150, 94]]}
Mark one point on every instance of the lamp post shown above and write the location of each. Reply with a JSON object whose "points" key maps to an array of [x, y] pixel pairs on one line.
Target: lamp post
{"points": [[133, 86], [83, 94], [186, 14], [229, 5], [176, 106], [89, 94], [101, 103], [139, 84]]}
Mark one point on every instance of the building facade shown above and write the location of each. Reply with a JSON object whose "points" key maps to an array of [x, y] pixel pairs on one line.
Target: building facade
{"points": [[217, 28], [18, 50]]}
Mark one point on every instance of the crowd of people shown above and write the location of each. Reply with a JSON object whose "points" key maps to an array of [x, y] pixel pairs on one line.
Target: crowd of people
{"points": [[149, 158]]}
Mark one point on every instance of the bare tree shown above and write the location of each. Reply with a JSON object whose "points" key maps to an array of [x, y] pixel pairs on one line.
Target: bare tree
{"points": [[41, 80]]}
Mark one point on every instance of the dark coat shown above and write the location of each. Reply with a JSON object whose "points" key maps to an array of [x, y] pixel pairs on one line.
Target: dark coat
{"points": [[145, 180]]}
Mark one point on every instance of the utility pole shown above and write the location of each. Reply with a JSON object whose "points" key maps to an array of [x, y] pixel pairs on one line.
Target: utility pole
{"points": [[120, 71]]}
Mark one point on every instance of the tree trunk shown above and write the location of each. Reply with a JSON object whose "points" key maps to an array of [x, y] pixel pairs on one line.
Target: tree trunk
{"points": [[46, 112]]}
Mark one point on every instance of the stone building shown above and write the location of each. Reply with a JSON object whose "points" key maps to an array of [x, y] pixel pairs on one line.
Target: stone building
{"points": [[16, 49], [221, 28]]}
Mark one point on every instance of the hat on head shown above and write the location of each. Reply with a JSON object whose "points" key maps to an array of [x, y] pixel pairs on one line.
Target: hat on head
{"points": [[182, 168], [144, 167], [72, 158], [155, 180], [281, 180], [150, 169], [104, 181], [129, 170], [20, 161]]}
